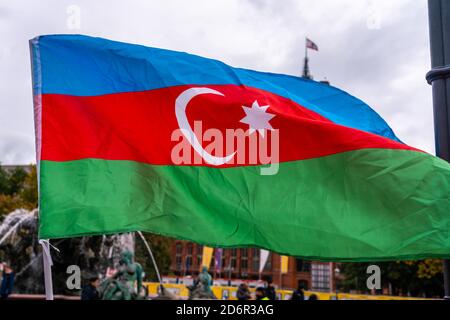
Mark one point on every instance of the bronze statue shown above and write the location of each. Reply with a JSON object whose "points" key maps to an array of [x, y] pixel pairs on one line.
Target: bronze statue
{"points": [[201, 289], [126, 283]]}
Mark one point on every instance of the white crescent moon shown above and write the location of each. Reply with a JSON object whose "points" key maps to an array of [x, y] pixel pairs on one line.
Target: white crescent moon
{"points": [[180, 112]]}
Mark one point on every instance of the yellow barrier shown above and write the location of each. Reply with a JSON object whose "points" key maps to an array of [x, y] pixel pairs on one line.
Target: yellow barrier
{"points": [[229, 293]]}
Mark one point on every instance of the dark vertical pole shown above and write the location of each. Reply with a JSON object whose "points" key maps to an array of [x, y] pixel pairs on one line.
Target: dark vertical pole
{"points": [[439, 77], [306, 73]]}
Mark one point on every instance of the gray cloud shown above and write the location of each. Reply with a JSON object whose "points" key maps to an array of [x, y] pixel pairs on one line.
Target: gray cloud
{"points": [[384, 66], [16, 148]]}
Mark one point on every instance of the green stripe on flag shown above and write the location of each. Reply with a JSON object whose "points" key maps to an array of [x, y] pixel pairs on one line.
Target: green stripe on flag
{"points": [[365, 205]]}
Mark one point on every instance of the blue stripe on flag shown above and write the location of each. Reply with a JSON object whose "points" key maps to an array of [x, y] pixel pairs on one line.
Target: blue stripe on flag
{"points": [[86, 66]]}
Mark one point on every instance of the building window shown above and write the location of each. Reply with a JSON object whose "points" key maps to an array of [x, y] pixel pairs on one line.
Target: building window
{"points": [[233, 258], [299, 263], [320, 275], [178, 256], [244, 260], [225, 259], [189, 252], [306, 266], [199, 252], [233, 262], [179, 262], [224, 265], [188, 263], [303, 266], [255, 260], [244, 264]]}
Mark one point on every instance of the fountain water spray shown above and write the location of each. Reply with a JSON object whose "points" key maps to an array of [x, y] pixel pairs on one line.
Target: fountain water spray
{"points": [[13, 221]]}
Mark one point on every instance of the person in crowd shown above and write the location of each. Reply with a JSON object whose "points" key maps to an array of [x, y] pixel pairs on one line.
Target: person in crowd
{"points": [[89, 291], [243, 293], [7, 284], [271, 292], [260, 294], [313, 297], [298, 294]]}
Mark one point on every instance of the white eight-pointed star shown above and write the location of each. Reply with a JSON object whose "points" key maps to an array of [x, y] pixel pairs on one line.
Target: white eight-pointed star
{"points": [[257, 118]]}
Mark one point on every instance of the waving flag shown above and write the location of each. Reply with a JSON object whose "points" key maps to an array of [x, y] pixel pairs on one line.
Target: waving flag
{"points": [[218, 259], [136, 138], [263, 256], [311, 45], [284, 264], [207, 257]]}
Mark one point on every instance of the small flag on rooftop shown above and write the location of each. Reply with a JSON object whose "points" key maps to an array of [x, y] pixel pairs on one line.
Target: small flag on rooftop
{"points": [[311, 45]]}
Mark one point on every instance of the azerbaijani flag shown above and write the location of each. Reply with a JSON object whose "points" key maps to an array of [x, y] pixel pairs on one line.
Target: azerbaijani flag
{"points": [[136, 138]]}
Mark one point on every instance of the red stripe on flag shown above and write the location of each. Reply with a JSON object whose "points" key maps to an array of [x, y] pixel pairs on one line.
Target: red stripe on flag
{"points": [[137, 126]]}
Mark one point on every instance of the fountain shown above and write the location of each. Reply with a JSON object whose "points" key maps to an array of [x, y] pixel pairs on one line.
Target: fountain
{"points": [[20, 247], [14, 220]]}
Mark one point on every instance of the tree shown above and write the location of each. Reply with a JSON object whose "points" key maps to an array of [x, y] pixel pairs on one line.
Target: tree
{"points": [[16, 181], [18, 189], [9, 203], [11, 182], [428, 269], [29, 192], [161, 250], [415, 278], [3, 181]]}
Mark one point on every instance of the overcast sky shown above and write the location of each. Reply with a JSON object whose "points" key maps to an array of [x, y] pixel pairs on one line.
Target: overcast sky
{"points": [[377, 50]]}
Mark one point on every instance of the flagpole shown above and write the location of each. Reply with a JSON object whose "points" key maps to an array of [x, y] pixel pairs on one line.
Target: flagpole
{"points": [[36, 80], [439, 78], [306, 48], [47, 263], [305, 73]]}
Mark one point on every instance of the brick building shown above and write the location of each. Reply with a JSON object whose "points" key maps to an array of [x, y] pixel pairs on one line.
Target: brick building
{"points": [[243, 263]]}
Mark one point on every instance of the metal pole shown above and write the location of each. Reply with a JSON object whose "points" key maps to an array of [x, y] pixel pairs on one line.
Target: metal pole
{"points": [[306, 48], [151, 256], [305, 72], [47, 260], [439, 77]]}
